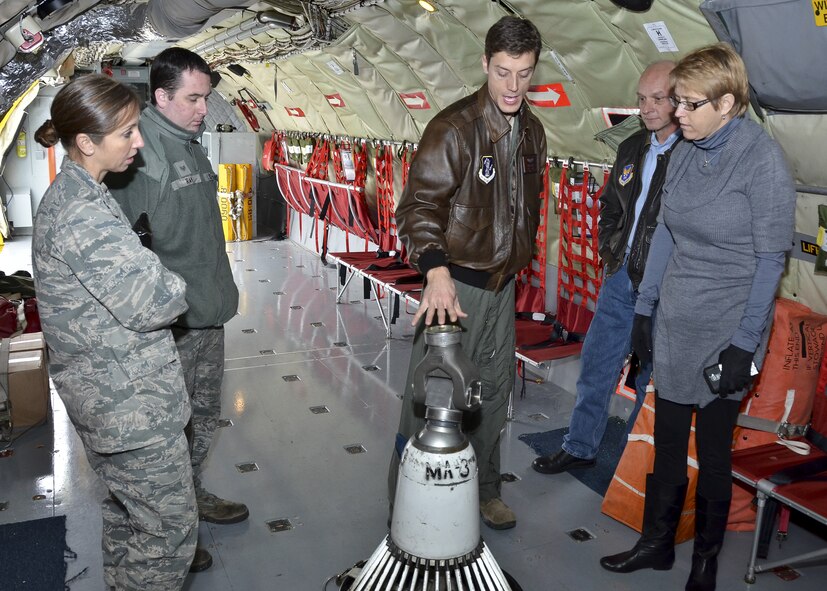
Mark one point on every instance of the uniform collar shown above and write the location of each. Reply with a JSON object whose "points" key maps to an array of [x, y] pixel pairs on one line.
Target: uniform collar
{"points": [[79, 173], [152, 113], [497, 123]]}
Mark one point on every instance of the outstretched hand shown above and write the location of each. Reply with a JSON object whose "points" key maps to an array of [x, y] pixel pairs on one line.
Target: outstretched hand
{"points": [[439, 298]]}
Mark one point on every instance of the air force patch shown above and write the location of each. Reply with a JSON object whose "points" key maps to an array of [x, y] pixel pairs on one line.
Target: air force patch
{"points": [[627, 174], [487, 172]]}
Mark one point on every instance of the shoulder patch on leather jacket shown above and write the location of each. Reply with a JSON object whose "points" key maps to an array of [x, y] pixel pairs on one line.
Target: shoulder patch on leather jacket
{"points": [[487, 172], [627, 174]]}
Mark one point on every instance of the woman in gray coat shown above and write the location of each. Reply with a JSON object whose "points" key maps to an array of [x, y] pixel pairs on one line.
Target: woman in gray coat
{"points": [[726, 224]]}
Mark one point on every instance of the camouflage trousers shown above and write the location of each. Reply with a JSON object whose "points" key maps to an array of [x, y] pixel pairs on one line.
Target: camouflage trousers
{"points": [[488, 339], [150, 518], [201, 351]]}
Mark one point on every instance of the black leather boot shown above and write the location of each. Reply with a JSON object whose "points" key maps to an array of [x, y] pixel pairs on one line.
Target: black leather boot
{"points": [[656, 546], [710, 525]]}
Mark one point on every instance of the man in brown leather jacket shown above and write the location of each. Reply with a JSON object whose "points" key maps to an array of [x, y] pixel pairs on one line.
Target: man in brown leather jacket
{"points": [[468, 217]]}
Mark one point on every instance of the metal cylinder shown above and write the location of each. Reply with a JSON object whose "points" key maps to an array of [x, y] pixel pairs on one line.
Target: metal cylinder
{"points": [[436, 511]]}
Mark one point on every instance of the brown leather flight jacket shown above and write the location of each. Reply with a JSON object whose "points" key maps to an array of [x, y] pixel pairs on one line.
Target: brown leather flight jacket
{"points": [[467, 206]]}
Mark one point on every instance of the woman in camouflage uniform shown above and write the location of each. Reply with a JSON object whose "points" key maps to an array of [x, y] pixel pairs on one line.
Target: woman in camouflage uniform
{"points": [[105, 304]]}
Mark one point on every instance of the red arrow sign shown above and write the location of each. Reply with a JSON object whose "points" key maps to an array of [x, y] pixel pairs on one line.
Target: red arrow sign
{"points": [[547, 95], [414, 100], [335, 100], [294, 111]]}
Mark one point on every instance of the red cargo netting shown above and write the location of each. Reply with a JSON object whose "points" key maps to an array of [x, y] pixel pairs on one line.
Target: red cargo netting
{"points": [[531, 282], [578, 261]]}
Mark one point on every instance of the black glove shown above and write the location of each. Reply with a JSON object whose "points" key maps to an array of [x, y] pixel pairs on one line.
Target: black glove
{"points": [[735, 370], [642, 339]]}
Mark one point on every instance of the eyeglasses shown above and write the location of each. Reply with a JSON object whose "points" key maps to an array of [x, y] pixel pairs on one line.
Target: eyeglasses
{"points": [[688, 105]]}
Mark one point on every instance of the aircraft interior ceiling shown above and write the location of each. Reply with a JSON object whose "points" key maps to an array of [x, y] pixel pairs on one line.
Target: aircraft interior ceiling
{"points": [[380, 69]]}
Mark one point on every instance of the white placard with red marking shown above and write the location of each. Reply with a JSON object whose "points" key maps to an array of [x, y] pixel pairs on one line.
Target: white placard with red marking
{"points": [[335, 100], [547, 95], [294, 111], [414, 100]]}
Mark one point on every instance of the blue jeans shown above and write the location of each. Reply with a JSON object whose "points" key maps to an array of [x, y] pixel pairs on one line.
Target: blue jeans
{"points": [[607, 344]]}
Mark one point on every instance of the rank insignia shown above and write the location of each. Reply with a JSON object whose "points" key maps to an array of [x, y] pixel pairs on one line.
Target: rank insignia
{"points": [[627, 174], [182, 168], [487, 172]]}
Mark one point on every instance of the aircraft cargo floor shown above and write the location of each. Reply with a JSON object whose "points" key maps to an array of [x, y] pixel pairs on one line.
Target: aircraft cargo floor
{"points": [[306, 379]]}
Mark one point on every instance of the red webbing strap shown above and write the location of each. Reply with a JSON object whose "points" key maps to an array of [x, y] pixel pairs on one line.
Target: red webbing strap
{"points": [[408, 153], [531, 281], [384, 195], [347, 205], [281, 152], [336, 209], [578, 262], [360, 162], [358, 198], [317, 168]]}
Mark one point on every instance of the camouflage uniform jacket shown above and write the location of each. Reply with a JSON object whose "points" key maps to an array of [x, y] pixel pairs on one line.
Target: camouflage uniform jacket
{"points": [[105, 304]]}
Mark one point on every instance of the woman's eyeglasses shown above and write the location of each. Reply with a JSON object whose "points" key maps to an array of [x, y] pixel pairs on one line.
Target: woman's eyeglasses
{"points": [[688, 105]]}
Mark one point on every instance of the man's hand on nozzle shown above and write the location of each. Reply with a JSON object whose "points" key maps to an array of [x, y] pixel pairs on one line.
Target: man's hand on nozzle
{"points": [[439, 299]]}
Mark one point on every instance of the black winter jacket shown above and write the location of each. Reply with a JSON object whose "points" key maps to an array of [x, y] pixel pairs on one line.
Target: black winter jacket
{"points": [[617, 212]]}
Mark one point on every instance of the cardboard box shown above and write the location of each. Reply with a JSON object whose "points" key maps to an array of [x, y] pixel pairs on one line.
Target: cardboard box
{"points": [[28, 375], [27, 342]]}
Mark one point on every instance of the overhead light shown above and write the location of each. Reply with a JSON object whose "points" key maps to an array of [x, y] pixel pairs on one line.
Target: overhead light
{"points": [[427, 5]]}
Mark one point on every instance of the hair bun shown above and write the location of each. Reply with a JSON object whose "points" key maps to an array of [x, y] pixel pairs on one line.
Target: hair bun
{"points": [[47, 134]]}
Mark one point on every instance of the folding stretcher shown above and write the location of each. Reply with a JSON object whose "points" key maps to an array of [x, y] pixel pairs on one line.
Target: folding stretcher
{"points": [[403, 283], [756, 466]]}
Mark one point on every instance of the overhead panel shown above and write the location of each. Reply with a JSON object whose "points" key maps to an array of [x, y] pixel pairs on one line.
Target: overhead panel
{"points": [[802, 138], [390, 67], [338, 109], [401, 55], [458, 45], [367, 107], [590, 52], [477, 16], [261, 84], [648, 34], [299, 99]]}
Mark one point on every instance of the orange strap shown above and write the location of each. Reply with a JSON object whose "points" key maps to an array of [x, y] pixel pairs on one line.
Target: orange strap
{"points": [[52, 164]]}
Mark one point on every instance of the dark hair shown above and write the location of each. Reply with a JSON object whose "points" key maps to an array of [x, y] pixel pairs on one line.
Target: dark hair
{"points": [[513, 35], [169, 66], [93, 104]]}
